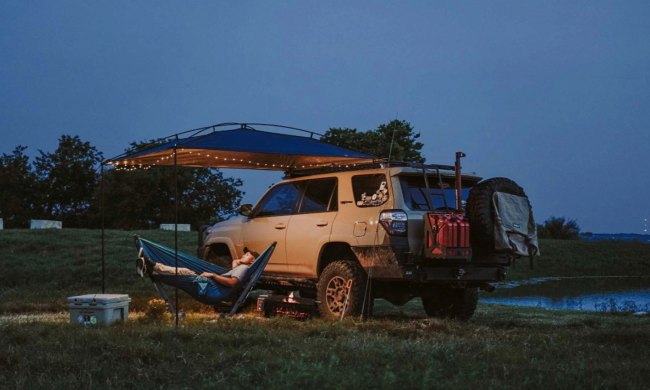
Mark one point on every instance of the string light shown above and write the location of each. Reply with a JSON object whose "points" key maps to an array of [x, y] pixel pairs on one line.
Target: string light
{"points": [[132, 165]]}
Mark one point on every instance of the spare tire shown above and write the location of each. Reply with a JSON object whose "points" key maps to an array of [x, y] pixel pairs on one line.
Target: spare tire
{"points": [[481, 215]]}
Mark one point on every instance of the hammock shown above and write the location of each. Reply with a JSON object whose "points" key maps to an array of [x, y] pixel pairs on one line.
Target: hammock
{"points": [[201, 289]]}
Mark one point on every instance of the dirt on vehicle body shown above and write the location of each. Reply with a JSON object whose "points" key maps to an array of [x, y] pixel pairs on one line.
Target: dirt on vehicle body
{"points": [[349, 236]]}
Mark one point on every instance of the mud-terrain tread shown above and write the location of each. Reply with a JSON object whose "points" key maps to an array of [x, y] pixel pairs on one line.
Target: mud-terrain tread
{"points": [[456, 303], [348, 270], [480, 211]]}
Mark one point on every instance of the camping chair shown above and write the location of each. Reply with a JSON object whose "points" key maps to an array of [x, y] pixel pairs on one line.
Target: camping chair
{"points": [[194, 285]]}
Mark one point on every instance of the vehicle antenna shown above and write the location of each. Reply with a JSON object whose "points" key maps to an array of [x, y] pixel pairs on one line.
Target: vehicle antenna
{"points": [[390, 150]]}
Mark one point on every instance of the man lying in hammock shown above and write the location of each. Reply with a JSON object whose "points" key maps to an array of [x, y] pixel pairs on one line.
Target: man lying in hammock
{"points": [[208, 287]]}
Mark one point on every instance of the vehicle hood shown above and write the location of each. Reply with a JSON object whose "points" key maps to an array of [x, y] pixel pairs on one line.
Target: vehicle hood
{"points": [[233, 221]]}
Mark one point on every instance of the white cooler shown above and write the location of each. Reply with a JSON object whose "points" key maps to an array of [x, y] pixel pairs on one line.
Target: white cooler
{"points": [[98, 309]]}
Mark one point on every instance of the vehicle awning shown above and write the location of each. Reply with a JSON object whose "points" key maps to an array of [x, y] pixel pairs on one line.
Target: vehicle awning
{"points": [[244, 147]]}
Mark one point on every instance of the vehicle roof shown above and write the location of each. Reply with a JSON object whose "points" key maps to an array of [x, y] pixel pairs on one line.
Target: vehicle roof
{"points": [[410, 169]]}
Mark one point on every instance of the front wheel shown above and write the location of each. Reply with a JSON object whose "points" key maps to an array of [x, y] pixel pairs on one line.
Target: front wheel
{"points": [[458, 303], [340, 289], [219, 255]]}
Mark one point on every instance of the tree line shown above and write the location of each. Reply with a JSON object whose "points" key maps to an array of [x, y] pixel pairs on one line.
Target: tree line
{"points": [[66, 185]]}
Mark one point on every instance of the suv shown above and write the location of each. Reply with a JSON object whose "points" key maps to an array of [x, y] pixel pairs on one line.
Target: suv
{"points": [[398, 232]]}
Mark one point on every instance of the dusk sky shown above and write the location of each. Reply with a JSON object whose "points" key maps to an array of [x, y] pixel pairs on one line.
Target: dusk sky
{"points": [[552, 94]]}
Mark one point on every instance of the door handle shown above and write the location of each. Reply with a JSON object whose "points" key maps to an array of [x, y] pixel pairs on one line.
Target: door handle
{"points": [[321, 223], [281, 226]]}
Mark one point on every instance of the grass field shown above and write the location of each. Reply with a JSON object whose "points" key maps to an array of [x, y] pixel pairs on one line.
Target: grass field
{"points": [[500, 347]]}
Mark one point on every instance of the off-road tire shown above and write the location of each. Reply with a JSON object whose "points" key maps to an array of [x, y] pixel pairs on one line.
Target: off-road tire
{"points": [[218, 256], [330, 289], [456, 303], [480, 211]]}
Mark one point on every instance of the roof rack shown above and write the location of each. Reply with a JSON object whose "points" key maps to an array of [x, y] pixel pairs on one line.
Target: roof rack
{"points": [[375, 164]]}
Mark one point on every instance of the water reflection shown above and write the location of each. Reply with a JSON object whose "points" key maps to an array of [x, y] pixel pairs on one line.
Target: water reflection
{"points": [[602, 294]]}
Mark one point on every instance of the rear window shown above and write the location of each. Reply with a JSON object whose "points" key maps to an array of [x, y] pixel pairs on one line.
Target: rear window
{"points": [[417, 197], [320, 196], [370, 190]]}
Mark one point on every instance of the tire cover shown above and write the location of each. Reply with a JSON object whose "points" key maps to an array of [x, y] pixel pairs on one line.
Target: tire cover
{"points": [[480, 211]]}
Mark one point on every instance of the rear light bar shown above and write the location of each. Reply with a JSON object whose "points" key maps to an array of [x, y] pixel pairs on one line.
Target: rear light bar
{"points": [[395, 222]]}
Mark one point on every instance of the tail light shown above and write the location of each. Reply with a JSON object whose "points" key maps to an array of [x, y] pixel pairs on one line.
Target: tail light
{"points": [[394, 221]]}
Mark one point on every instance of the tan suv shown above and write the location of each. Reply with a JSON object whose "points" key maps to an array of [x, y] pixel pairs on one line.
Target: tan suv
{"points": [[347, 237]]}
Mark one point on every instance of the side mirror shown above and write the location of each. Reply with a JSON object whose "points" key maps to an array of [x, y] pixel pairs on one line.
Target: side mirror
{"points": [[245, 209]]}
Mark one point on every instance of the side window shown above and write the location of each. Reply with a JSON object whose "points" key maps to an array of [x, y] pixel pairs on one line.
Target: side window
{"points": [[280, 201], [320, 196], [370, 190]]}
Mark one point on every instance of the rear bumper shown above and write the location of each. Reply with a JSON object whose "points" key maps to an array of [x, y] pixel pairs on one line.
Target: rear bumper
{"points": [[392, 264], [459, 273]]}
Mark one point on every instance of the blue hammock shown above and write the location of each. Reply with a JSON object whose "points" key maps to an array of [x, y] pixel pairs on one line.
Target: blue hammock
{"points": [[202, 289]]}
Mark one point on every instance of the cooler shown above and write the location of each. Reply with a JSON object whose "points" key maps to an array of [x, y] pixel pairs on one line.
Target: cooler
{"points": [[98, 309]]}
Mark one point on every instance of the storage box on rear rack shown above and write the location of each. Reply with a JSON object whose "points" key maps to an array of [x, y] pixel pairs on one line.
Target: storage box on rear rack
{"points": [[98, 309]]}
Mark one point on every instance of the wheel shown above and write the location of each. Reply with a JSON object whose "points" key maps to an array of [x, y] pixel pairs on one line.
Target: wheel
{"points": [[480, 211], [332, 289], [219, 255], [458, 303]]}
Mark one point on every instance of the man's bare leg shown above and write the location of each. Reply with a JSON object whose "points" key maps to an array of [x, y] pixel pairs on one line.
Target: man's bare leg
{"points": [[161, 269]]}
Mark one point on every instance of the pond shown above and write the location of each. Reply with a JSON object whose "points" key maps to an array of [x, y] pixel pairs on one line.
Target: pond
{"points": [[602, 294]]}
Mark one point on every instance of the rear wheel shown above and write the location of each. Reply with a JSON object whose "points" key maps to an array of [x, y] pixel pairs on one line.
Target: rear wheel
{"points": [[341, 289], [458, 303]]}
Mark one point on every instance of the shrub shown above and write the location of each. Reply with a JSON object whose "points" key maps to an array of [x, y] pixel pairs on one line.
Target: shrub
{"points": [[156, 310], [559, 228]]}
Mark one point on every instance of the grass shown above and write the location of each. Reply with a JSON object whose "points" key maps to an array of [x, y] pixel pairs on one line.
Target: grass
{"points": [[43, 267], [500, 347], [46, 266], [586, 258]]}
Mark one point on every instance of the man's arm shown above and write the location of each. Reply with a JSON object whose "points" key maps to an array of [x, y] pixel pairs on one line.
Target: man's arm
{"points": [[247, 259], [223, 280]]}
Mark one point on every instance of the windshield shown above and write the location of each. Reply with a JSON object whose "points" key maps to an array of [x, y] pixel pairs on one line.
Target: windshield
{"points": [[417, 197]]}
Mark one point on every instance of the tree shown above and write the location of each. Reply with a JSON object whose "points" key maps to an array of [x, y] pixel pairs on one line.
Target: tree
{"points": [[17, 188], [559, 228], [67, 179], [144, 198], [378, 142]]}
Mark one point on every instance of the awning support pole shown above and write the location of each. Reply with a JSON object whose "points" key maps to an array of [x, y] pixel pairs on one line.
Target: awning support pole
{"points": [[176, 225], [101, 190]]}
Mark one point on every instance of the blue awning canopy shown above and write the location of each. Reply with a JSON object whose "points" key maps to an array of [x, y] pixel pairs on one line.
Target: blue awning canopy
{"points": [[244, 147]]}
